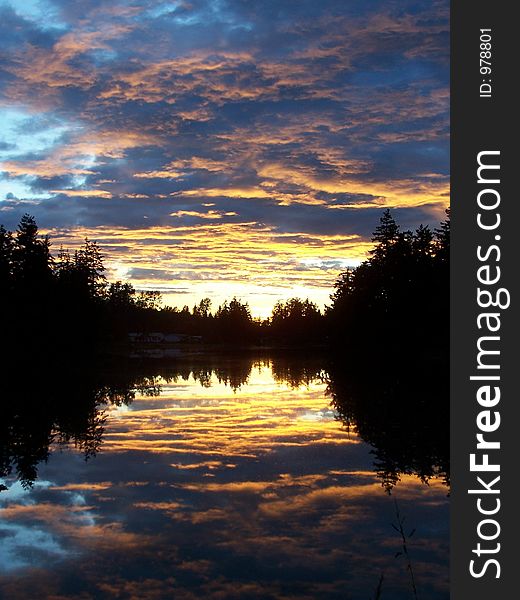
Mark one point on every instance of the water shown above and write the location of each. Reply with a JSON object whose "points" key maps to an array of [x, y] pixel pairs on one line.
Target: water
{"points": [[216, 478]]}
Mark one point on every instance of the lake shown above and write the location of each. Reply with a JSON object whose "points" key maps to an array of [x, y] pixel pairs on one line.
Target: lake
{"points": [[223, 477]]}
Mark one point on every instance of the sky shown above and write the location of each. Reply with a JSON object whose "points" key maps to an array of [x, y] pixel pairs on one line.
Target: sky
{"points": [[219, 148]]}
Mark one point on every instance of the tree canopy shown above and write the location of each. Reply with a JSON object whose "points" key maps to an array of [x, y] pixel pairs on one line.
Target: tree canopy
{"points": [[399, 297]]}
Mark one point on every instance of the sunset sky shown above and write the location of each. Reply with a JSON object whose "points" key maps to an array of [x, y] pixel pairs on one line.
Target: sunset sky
{"points": [[224, 147]]}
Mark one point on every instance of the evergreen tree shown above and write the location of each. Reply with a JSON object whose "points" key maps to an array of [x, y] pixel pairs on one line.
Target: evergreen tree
{"points": [[88, 264], [400, 292], [6, 260], [385, 236], [296, 320], [442, 239], [234, 321], [422, 242], [32, 261]]}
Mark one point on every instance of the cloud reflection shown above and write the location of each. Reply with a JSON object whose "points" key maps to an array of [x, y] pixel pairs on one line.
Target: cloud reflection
{"points": [[209, 492]]}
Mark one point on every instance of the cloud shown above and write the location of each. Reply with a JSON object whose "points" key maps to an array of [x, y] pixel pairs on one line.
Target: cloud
{"points": [[301, 118]]}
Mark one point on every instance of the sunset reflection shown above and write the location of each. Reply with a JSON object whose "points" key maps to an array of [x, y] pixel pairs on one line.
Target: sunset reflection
{"points": [[219, 491]]}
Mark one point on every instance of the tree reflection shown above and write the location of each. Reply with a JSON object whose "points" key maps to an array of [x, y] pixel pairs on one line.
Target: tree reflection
{"points": [[401, 408], [298, 369], [402, 411], [42, 407]]}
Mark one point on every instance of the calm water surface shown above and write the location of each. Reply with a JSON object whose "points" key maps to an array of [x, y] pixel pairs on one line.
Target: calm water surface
{"points": [[234, 481]]}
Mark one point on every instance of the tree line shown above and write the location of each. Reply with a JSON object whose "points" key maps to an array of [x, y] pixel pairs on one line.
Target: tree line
{"points": [[398, 297]]}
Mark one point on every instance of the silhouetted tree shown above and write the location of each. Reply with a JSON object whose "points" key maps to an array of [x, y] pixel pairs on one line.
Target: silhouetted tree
{"points": [[32, 261], [6, 268], [396, 297], [88, 263], [297, 320], [29, 284], [442, 239], [385, 236], [148, 300], [203, 308], [80, 290], [422, 243], [392, 299], [120, 296], [234, 322]]}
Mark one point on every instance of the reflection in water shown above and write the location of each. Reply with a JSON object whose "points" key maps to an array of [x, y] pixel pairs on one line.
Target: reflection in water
{"points": [[61, 408], [402, 411], [218, 478]]}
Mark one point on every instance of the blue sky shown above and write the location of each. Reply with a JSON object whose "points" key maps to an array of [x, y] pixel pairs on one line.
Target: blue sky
{"points": [[224, 147]]}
